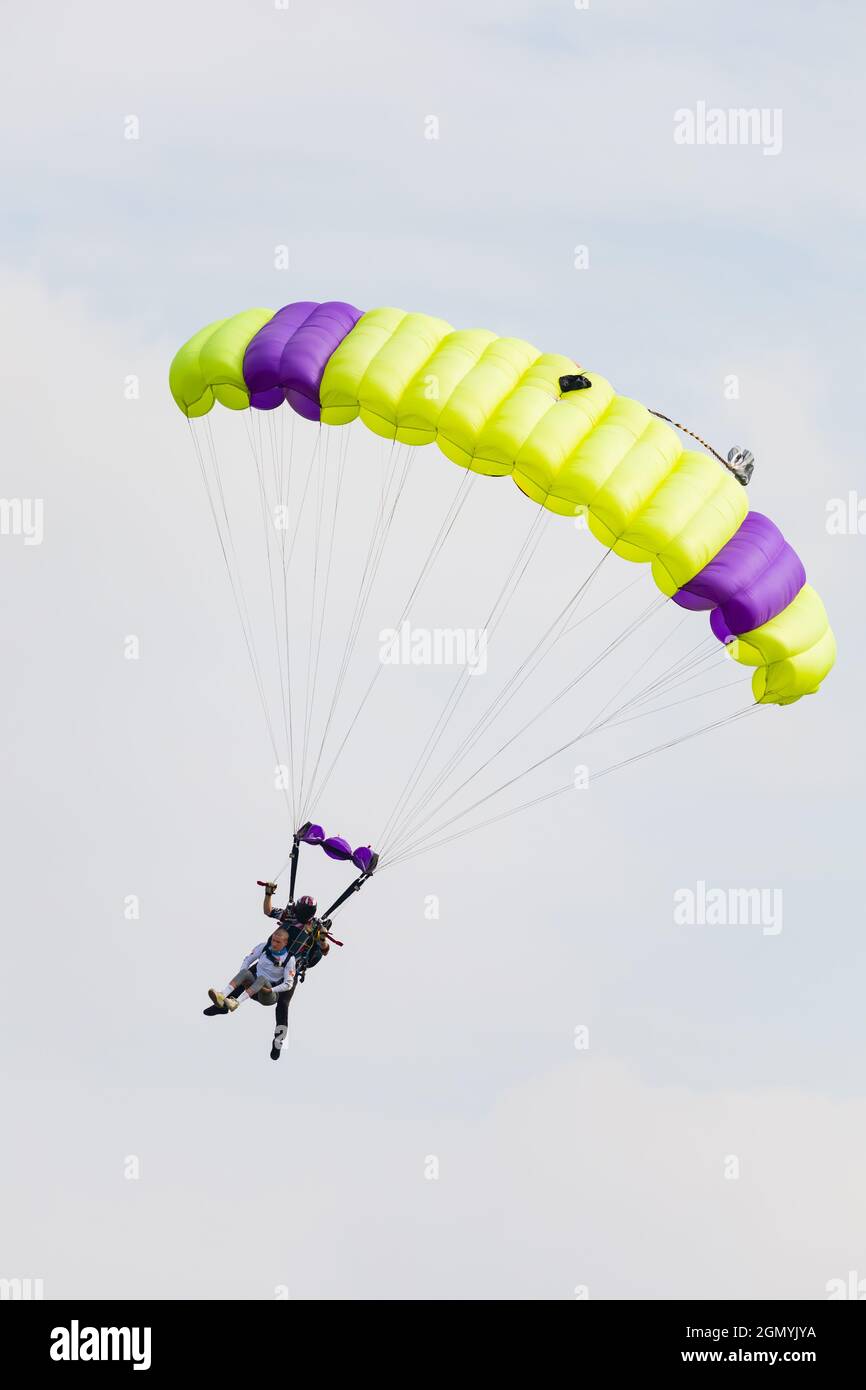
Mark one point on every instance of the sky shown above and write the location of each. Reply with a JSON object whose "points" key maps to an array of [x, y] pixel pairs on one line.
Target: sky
{"points": [[522, 1076]]}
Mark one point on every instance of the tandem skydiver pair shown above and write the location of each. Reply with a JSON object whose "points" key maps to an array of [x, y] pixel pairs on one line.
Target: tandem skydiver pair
{"points": [[272, 970], [270, 973]]}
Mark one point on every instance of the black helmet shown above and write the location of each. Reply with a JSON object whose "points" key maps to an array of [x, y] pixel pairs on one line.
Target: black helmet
{"points": [[305, 908]]}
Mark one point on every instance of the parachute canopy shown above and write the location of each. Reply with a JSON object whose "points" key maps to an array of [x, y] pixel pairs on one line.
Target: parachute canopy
{"points": [[495, 406]]}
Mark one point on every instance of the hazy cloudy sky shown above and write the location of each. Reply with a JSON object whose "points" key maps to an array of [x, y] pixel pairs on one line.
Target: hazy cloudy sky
{"points": [[432, 1130]]}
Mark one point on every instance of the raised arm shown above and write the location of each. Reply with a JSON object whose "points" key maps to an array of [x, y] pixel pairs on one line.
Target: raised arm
{"points": [[267, 905]]}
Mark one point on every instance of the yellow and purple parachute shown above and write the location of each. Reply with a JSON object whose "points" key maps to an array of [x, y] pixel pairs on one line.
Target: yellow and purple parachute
{"points": [[499, 406]]}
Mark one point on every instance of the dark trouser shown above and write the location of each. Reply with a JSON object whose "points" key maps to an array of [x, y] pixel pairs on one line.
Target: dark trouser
{"points": [[281, 1026], [283, 1002]]}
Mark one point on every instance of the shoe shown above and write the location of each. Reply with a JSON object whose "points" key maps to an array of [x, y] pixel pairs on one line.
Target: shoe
{"points": [[218, 1000], [276, 1051], [231, 1004]]}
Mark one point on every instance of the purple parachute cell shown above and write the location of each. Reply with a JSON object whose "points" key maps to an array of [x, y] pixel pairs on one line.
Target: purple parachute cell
{"points": [[755, 575], [719, 626], [362, 857], [262, 358], [286, 359]]}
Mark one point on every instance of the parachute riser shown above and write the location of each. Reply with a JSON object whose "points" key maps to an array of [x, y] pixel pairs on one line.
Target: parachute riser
{"points": [[353, 887], [296, 849]]}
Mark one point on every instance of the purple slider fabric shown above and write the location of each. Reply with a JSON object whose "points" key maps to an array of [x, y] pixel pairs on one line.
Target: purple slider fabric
{"points": [[754, 576], [313, 835], [337, 848], [286, 359]]}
